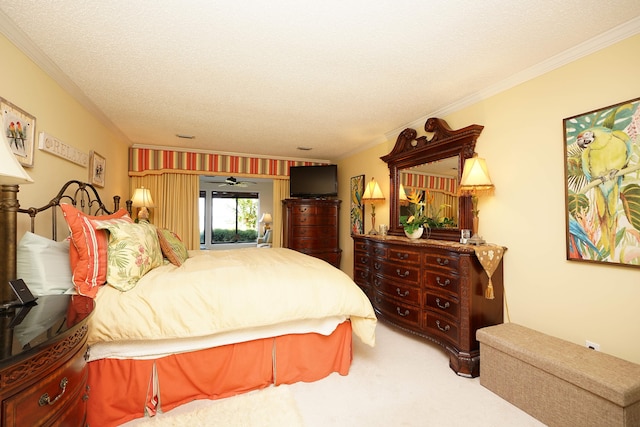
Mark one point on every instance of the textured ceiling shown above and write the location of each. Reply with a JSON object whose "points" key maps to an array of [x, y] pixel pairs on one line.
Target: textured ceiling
{"points": [[263, 77]]}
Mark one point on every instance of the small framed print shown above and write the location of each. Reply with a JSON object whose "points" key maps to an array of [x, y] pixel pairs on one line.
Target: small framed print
{"points": [[20, 129], [97, 169]]}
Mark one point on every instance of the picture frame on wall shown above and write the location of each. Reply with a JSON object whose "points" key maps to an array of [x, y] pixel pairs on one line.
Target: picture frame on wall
{"points": [[19, 127], [602, 185], [357, 207], [97, 169]]}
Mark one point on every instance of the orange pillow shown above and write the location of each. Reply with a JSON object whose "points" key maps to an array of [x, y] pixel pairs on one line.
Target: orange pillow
{"points": [[88, 254]]}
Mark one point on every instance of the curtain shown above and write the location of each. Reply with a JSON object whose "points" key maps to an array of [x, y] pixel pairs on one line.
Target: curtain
{"points": [[175, 197], [280, 192]]}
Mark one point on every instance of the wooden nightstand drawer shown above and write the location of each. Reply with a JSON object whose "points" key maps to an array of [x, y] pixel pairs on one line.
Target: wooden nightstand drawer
{"points": [[46, 399]]}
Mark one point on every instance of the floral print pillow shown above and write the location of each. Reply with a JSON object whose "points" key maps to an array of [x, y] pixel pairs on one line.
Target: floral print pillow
{"points": [[132, 252]]}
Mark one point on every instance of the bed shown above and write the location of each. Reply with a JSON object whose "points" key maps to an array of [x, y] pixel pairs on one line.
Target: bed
{"points": [[172, 325]]}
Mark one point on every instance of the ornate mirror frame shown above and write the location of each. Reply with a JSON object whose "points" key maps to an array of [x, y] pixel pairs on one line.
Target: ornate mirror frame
{"points": [[411, 151]]}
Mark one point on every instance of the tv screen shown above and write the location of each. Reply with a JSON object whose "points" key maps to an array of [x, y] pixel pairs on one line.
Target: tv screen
{"points": [[313, 181]]}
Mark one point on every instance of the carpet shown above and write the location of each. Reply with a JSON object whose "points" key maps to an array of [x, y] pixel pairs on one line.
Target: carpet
{"points": [[269, 407]]}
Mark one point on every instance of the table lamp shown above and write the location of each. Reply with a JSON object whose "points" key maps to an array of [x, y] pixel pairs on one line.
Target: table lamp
{"points": [[373, 194], [11, 176], [266, 220], [142, 199], [475, 181]]}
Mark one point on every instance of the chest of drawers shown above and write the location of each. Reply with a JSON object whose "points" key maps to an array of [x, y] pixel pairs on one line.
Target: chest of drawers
{"points": [[434, 289], [311, 227]]}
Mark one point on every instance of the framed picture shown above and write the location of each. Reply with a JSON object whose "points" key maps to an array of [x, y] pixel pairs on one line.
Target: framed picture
{"points": [[357, 207], [602, 185], [20, 129], [97, 169]]}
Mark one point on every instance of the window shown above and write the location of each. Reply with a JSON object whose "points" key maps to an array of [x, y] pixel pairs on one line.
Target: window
{"points": [[232, 217]]}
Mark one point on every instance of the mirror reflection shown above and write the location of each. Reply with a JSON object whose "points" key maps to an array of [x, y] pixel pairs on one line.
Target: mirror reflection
{"points": [[435, 184]]}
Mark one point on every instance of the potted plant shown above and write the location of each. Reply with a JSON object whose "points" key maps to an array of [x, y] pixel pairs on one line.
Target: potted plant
{"points": [[414, 224]]}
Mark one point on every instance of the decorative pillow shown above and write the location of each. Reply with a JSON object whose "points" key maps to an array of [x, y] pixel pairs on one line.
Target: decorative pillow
{"points": [[88, 254], [172, 247], [44, 264], [132, 252]]}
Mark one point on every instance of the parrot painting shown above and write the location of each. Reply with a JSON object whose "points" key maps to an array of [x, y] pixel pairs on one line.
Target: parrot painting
{"points": [[605, 153]]}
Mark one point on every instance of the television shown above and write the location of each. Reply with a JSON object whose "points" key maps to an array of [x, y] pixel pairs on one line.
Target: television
{"points": [[313, 181]]}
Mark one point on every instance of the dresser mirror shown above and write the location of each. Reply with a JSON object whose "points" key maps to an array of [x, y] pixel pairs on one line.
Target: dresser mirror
{"points": [[428, 163]]}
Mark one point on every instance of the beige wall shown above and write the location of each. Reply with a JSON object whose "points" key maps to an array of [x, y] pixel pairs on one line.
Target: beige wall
{"points": [[58, 114], [523, 144]]}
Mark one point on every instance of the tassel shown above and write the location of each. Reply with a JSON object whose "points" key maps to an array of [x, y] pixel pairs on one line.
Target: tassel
{"points": [[488, 294]]}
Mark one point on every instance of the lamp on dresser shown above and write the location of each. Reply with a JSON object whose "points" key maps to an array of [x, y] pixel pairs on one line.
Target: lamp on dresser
{"points": [[142, 199], [373, 194], [266, 219], [11, 176], [475, 180]]}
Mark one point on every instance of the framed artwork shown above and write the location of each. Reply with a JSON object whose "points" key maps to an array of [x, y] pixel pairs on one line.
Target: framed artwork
{"points": [[357, 207], [602, 185], [97, 169], [20, 129]]}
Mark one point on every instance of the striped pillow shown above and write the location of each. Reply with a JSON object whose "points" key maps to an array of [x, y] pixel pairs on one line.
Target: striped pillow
{"points": [[88, 254]]}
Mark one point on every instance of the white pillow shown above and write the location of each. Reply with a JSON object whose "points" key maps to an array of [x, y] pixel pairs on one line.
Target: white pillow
{"points": [[44, 265]]}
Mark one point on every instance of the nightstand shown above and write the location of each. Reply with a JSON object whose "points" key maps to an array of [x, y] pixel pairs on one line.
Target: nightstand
{"points": [[43, 369]]}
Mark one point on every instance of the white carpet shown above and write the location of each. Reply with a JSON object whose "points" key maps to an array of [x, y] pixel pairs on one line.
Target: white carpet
{"points": [[269, 407]]}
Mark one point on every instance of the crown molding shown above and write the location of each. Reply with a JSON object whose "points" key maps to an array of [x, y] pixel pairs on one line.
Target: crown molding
{"points": [[606, 39]]}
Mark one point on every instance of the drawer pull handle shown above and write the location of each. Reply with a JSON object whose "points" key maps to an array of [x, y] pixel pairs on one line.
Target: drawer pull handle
{"points": [[376, 266], [442, 261], [44, 399], [363, 274], [364, 260], [402, 294], [376, 283], [405, 314], [445, 329], [443, 284], [402, 256], [400, 274], [378, 300], [442, 306], [377, 251]]}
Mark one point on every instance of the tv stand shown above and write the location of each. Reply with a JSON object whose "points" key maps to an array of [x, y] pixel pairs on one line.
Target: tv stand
{"points": [[311, 227]]}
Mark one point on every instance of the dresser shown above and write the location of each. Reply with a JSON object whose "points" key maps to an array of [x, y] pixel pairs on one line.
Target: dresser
{"points": [[434, 289], [311, 227], [43, 370]]}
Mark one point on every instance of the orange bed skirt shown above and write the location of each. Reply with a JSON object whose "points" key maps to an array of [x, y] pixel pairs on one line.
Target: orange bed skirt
{"points": [[122, 390]]}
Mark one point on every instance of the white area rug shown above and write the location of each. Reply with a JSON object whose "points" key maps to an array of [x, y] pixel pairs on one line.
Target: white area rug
{"points": [[269, 407]]}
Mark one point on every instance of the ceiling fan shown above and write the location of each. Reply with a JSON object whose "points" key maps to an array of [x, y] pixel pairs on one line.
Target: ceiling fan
{"points": [[233, 182]]}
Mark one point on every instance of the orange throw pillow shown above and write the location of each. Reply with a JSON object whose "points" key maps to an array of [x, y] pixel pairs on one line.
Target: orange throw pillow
{"points": [[88, 254]]}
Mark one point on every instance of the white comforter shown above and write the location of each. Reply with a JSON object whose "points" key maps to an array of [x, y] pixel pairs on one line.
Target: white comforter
{"points": [[215, 292]]}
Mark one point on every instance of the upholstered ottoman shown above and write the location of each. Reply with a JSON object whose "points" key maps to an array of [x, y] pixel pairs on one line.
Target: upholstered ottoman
{"points": [[558, 382]]}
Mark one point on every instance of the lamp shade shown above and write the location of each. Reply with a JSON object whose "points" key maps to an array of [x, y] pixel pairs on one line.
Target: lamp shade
{"points": [[142, 198], [266, 218], [11, 172], [372, 192], [475, 176], [403, 194]]}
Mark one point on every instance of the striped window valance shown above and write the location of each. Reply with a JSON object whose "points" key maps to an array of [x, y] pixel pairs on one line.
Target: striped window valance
{"points": [[437, 183], [144, 161]]}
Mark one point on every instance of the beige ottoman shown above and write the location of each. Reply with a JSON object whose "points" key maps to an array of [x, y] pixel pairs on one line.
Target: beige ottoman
{"points": [[558, 382]]}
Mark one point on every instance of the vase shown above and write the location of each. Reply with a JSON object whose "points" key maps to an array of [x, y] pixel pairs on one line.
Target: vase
{"points": [[417, 233]]}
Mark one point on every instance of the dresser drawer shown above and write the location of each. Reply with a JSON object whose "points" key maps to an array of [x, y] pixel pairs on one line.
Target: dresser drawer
{"points": [[443, 304], [396, 271], [46, 399], [442, 259], [440, 325], [396, 311], [361, 258], [403, 255], [379, 251], [398, 290], [360, 245], [313, 243], [313, 219], [317, 231], [442, 280]]}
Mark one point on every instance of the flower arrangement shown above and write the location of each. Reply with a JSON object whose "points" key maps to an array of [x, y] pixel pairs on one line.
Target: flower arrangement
{"points": [[417, 218]]}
